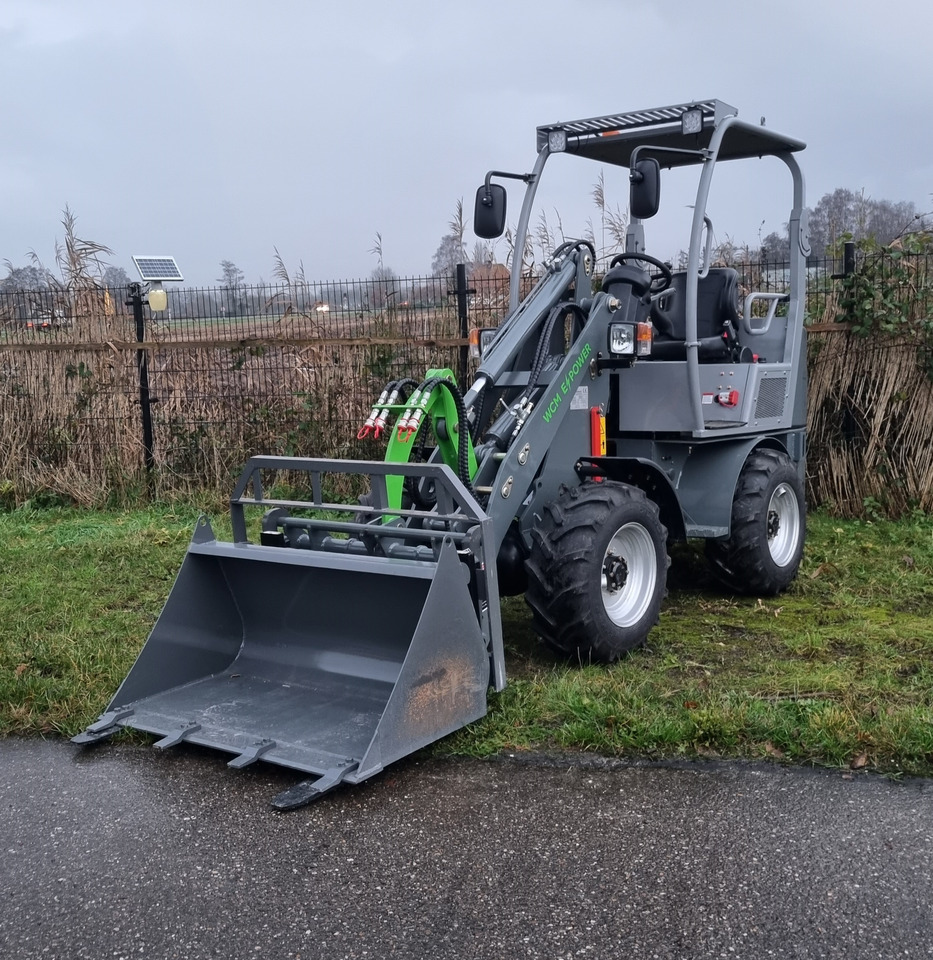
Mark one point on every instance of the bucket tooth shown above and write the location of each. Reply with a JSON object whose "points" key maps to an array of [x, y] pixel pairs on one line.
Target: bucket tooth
{"points": [[173, 739], [251, 754], [105, 726], [309, 790]]}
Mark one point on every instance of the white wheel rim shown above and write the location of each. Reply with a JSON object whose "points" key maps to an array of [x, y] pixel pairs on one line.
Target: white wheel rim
{"points": [[627, 602], [783, 522]]}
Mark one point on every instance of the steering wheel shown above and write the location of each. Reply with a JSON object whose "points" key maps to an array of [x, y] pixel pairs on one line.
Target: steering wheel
{"points": [[658, 284]]}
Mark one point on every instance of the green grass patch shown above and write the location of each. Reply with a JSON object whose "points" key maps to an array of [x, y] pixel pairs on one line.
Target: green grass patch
{"points": [[837, 671], [80, 593]]}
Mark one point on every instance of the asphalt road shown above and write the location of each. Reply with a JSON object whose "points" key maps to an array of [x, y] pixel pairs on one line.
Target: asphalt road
{"points": [[122, 852]]}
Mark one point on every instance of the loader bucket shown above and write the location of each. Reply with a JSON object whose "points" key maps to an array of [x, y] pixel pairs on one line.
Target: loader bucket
{"points": [[333, 661]]}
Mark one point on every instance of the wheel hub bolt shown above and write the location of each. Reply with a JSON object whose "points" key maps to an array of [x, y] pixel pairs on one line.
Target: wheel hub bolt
{"points": [[616, 571], [774, 524]]}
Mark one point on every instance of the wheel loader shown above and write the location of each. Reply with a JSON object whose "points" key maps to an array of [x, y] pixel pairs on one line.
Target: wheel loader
{"points": [[607, 417]]}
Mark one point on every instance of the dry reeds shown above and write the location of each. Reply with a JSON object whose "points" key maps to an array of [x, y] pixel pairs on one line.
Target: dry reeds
{"points": [[870, 423], [871, 393], [291, 379]]}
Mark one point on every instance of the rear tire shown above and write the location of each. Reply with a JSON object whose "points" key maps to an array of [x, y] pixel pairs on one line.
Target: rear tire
{"points": [[598, 571], [763, 552]]}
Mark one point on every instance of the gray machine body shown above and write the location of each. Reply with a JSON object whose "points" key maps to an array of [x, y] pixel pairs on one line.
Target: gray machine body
{"points": [[666, 429], [373, 633]]}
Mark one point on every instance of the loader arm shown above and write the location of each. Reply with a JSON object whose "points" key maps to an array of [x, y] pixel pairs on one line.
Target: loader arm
{"points": [[552, 426]]}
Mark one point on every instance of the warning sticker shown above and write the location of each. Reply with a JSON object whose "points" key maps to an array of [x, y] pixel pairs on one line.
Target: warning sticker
{"points": [[580, 399], [708, 397]]}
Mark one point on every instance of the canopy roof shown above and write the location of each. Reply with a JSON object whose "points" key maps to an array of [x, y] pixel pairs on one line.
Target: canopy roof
{"points": [[611, 139]]}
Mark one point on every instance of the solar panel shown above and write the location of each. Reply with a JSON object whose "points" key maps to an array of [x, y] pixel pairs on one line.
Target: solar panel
{"points": [[158, 268]]}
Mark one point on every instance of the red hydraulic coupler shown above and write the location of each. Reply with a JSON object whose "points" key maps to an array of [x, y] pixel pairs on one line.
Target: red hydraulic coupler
{"points": [[404, 431], [370, 423], [409, 424], [383, 415]]}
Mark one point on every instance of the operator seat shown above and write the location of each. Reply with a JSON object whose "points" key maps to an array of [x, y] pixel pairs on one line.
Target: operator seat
{"points": [[717, 319]]}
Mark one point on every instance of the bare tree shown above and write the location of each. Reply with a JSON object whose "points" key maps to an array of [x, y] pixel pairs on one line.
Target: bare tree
{"points": [[448, 254], [845, 214], [23, 278], [116, 278], [484, 252], [231, 281], [775, 247], [232, 276]]}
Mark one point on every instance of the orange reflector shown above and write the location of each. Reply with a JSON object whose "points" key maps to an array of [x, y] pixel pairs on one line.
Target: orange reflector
{"points": [[597, 432], [643, 339], [474, 342]]}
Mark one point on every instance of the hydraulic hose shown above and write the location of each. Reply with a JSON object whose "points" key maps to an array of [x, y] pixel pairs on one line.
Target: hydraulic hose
{"points": [[569, 245], [403, 384], [541, 352], [463, 437]]}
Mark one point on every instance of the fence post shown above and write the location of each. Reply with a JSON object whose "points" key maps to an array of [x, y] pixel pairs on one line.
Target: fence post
{"points": [[142, 365], [848, 261], [463, 315]]}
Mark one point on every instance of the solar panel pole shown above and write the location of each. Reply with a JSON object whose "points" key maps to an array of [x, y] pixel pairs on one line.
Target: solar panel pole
{"points": [[153, 270], [142, 366]]}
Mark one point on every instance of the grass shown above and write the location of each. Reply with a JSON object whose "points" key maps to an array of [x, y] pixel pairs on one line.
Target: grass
{"points": [[80, 593], [838, 671]]}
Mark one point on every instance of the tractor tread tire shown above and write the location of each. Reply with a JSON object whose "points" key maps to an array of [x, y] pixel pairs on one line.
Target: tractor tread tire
{"points": [[565, 591], [743, 562]]}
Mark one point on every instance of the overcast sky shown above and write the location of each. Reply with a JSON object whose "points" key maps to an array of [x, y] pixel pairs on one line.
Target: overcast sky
{"points": [[222, 129]]}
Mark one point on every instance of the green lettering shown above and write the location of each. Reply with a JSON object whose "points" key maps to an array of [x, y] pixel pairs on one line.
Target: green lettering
{"points": [[552, 408], [567, 382]]}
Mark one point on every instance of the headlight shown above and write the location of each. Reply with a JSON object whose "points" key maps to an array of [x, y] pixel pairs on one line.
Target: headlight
{"points": [[691, 121], [622, 338], [556, 141]]}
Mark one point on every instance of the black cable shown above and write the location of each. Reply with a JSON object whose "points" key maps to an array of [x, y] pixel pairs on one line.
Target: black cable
{"points": [[410, 484], [541, 352], [401, 385], [573, 245], [463, 437]]}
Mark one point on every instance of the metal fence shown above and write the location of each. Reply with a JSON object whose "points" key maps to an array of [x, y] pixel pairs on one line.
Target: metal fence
{"points": [[92, 392], [94, 387]]}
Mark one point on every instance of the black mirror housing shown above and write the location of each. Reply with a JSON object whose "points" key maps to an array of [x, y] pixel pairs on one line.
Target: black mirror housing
{"points": [[645, 190], [489, 212]]}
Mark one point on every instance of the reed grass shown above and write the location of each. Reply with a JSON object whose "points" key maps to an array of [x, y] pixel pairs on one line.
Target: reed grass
{"points": [[871, 393], [288, 380]]}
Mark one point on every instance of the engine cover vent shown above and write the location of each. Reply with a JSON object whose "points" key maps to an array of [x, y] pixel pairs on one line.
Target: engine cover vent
{"points": [[771, 395]]}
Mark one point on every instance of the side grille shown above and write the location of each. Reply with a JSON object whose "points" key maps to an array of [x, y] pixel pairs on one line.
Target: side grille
{"points": [[771, 393]]}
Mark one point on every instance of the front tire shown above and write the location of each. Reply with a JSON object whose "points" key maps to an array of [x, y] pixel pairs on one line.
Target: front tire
{"points": [[764, 550], [598, 571]]}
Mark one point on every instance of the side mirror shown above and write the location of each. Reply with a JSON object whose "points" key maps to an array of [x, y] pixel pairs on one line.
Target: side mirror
{"points": [[645, 190], [489, 212]]}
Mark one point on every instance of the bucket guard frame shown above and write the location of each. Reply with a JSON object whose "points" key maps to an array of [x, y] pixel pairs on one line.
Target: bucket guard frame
{"points": [[263, 652]]}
